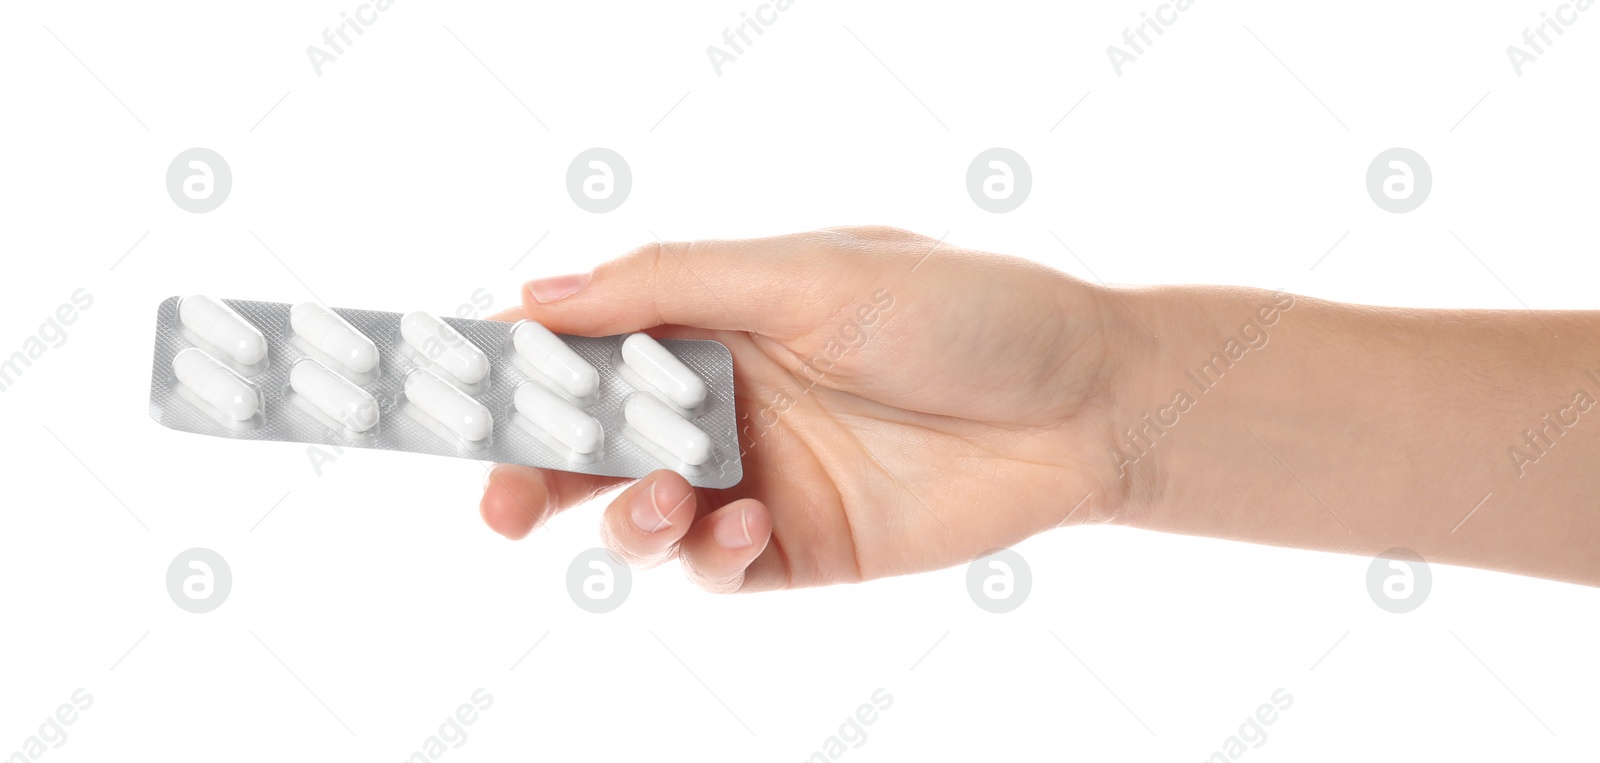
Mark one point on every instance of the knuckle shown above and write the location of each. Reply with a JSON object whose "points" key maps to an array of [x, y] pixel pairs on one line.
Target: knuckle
{"points": [[643, 269], [641, 262], [618, 545], [709, 581], [876, 234]]}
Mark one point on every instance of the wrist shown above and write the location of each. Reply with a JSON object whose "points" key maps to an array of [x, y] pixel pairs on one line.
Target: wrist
{"points": [[1185, 388]]}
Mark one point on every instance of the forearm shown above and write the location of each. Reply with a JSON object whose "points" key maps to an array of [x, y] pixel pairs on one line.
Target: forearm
{"points": [[1470, 437]]}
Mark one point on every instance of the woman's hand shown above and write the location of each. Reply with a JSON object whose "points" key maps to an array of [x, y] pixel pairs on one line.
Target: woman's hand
{"points": [[903, 405]]}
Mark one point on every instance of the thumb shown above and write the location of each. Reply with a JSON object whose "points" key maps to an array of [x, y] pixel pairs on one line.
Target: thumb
{"points": [[778, 287]]}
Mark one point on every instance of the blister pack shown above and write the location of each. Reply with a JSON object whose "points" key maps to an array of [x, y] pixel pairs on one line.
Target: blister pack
{"points": [[620, 406]]}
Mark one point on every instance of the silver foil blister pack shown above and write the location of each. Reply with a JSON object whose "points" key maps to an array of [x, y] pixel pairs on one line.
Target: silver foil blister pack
{"points": [[620, 406]]}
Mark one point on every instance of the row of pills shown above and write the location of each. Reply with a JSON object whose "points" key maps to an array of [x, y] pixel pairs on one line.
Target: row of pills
{"points": [[448, 371]]}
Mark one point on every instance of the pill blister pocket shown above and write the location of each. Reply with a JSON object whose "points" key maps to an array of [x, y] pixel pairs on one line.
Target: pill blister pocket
{"points": [[665, 403]]}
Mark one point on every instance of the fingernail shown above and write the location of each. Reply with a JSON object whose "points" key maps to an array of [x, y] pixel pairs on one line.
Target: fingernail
{"points": [[649, 510], [547, 290], [734, 532]]}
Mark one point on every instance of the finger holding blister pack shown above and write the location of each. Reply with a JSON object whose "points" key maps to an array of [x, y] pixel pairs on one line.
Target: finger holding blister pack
{"points": [[619, 406]]}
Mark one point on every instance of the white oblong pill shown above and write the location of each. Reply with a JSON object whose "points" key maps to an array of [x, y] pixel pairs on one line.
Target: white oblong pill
{"points": [[216, 384], [664, 371], [445, 346], [560, 419], [327, 331], [448, 406], [664, 427], [553, 358], [223, 328], [334, 395]]}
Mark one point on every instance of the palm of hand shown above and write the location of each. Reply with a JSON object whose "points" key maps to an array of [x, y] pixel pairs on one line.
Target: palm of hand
{"points": [[877, 457]]}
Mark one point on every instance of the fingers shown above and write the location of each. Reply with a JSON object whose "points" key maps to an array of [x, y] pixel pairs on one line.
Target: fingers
{"points": [[778, 287], [645, 522], [650, 522], [655, 519], [721, 546], [516, 499]]}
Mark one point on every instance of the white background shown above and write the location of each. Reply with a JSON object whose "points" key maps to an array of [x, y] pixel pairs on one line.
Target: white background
{"points": [[406, 176]]}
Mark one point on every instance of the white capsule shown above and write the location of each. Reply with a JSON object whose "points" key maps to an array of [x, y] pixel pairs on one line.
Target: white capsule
{"points": [[553, 358], [216, 384], [664, 427], [448, 406], [327, 331], [223, 328], [562, 420], [445, 346], [664, 371], [334, 395]]}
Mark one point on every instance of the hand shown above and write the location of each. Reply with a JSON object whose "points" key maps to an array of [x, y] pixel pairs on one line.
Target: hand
{"points": [[903, 405]]}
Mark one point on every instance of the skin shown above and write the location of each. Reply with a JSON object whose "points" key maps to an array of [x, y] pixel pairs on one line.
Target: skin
{"points": [[888, 384]]}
